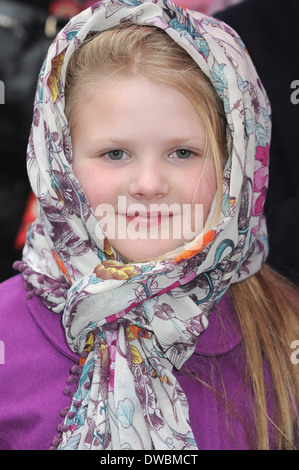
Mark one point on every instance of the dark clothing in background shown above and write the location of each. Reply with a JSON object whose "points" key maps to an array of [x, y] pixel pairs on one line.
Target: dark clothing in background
{"points": [[25, 36], [269, 29], [23, 49]]}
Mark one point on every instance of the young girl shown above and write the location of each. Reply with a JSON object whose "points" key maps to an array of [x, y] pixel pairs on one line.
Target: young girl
{"points": [[173, 343]]}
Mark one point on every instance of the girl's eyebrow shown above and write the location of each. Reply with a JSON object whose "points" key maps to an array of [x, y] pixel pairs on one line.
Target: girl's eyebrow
{"points": [[104, 142], [107, 141], [180, 140]]}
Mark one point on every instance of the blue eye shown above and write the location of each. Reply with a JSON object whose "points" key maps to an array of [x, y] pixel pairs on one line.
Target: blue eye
{"points": [[182, 153], [115, 154]]}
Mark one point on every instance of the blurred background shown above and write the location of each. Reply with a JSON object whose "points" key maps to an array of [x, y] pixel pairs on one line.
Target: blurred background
{"points": [[269, 29]]}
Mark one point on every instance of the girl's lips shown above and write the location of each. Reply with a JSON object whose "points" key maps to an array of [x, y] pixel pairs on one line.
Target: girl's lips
{"points": [[148, 219]]}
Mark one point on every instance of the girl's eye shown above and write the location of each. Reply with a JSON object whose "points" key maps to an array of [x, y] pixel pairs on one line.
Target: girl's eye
{"points": [[116, 154], [181, 153]]}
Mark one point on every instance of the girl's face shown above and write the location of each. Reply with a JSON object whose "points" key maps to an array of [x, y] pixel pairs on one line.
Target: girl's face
{"points": [[138, 154]]}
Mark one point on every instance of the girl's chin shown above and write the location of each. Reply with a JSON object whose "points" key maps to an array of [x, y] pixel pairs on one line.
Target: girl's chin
{"points": [[144, 250]]}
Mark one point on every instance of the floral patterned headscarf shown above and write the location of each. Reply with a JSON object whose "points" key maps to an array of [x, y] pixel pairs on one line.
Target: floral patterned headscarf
{"points": [[132, 323]]}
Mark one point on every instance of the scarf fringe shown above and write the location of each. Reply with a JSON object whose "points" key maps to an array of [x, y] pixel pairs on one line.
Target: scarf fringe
{"points": [[57, 286], [73, 379]]}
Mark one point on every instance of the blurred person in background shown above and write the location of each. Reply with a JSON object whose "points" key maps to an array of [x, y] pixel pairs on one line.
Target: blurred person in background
{"points": [[206, 6], [269, 29], [26, 30]]}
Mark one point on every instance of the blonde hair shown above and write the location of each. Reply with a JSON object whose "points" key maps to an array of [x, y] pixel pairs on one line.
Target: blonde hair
{"points": [[265, 303], [267, 306]]}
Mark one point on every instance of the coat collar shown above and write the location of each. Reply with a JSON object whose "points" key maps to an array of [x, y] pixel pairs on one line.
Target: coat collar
{"points": [[51, 326], [223, 333]]}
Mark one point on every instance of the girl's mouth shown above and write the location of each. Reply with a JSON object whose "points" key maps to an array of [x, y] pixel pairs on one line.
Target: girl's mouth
{"points": [[148, 219]]}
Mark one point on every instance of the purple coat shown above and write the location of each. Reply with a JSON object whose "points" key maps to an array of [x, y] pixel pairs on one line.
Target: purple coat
{"points": [[35, 363]]}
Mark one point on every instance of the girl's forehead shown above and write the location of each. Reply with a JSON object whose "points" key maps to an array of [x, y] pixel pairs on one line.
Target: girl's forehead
{"points": [[130, 109]]}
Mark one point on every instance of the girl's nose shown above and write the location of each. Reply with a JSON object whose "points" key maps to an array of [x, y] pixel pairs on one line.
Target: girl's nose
{"points": [[148, 181]]}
